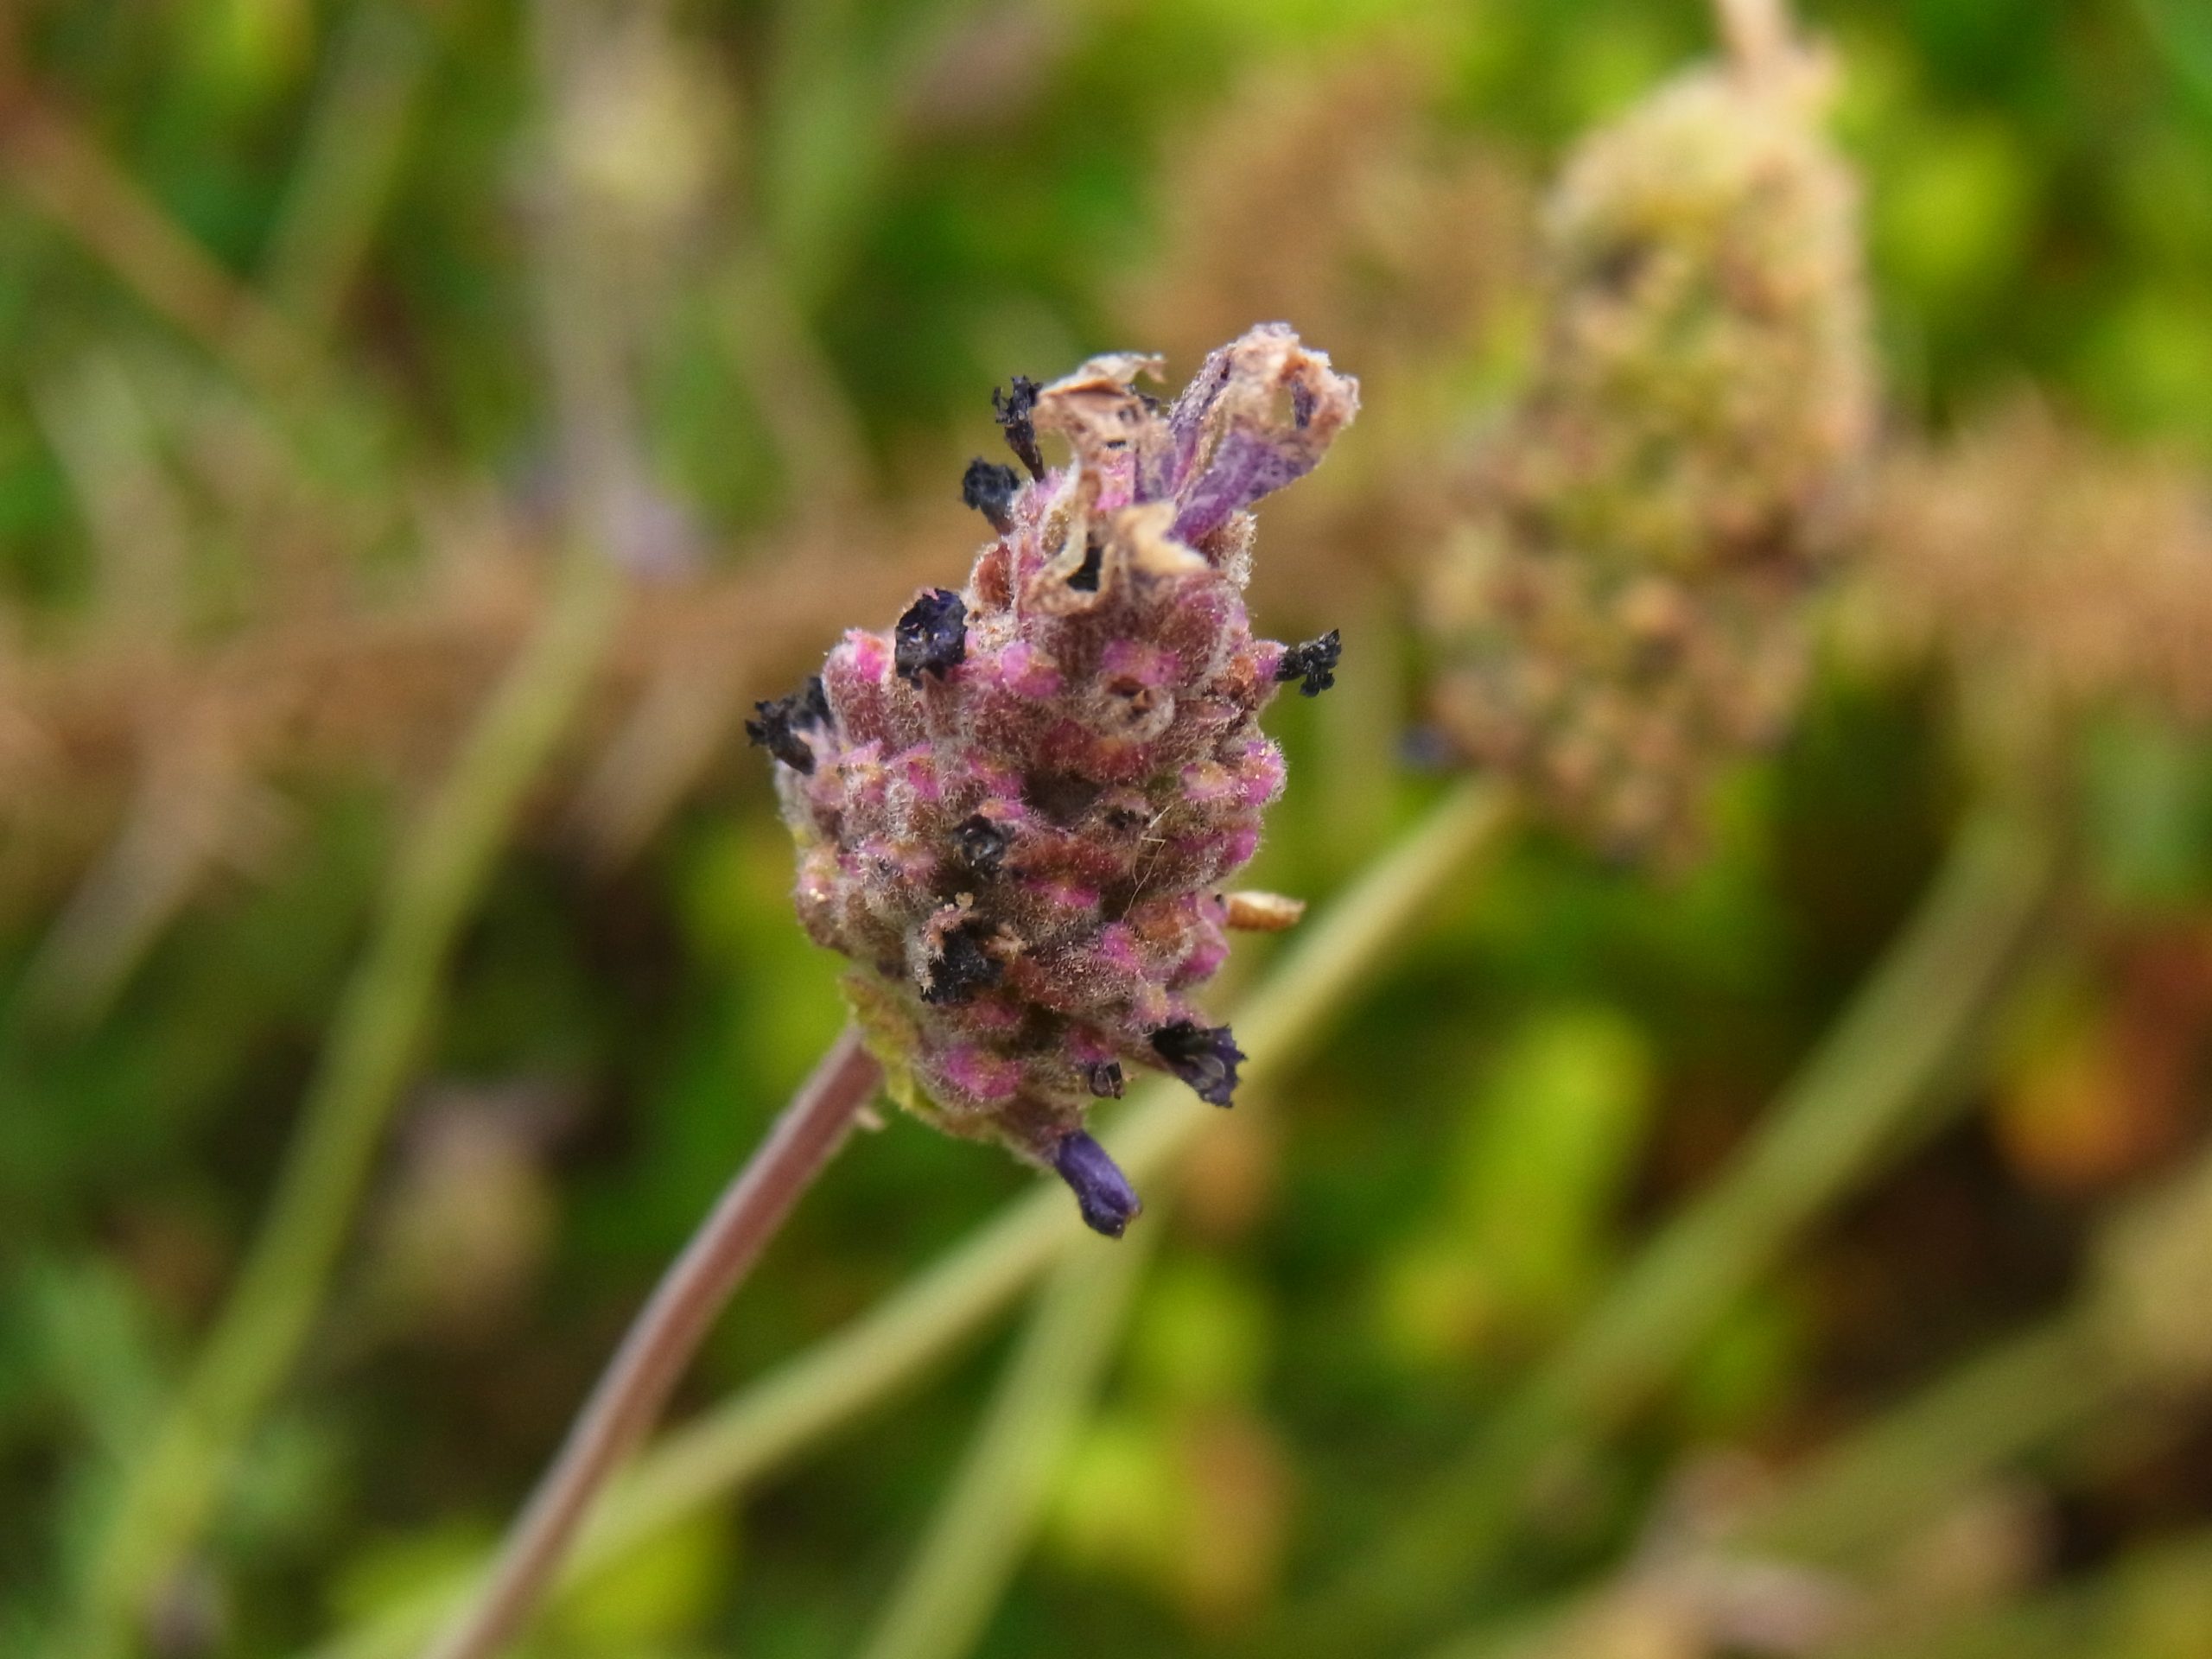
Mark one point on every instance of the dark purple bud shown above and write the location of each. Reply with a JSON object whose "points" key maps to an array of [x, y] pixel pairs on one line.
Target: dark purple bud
{"points": [[1314, 662], [1105, 1078], [931, 637], [982, 844], [1085, 579], [990, 488], [1016, 410], [1205, 1056], [1102, 1193], [962, 967], [779, 724]]}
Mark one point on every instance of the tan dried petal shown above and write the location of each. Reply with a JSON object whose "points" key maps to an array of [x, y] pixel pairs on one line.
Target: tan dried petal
{"points": [[1254, 912]]}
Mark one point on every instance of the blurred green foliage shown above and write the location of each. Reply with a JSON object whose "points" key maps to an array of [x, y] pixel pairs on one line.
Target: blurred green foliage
{"points": [[882, 210]]}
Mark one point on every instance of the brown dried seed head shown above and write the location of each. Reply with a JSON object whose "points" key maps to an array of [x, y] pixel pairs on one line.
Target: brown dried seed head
{"points": [[1622, 610], [2056, 573]]}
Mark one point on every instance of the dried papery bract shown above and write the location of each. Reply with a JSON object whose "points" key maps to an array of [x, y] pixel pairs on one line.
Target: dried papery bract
{"points": [[1015, 809], [2056, 576], [1621, 610]]}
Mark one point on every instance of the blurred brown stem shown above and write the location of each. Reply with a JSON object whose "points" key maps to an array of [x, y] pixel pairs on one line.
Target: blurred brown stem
{"points": [[1755, 32], [636, 1384], [73, 183], [1898, 1472]]}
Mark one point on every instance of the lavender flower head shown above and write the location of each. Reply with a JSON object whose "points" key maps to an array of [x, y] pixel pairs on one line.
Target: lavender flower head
{"points": [[1015, 809]]}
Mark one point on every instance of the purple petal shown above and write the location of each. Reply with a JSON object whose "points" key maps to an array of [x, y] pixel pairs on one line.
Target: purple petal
{"points": [[1205, 1056], [1102, 1193], [1245, 466]]}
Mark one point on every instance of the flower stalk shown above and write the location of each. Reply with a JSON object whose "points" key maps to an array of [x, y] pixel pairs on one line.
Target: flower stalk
{"points": [[635, 1386]]}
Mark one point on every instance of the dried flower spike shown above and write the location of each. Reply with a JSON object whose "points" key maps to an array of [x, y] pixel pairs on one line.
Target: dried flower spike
{"points": [[2058, 576], [1623, 610], [1015, 811]]}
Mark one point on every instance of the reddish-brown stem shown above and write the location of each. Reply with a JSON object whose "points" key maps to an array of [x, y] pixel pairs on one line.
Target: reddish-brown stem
{"points": [[636, 1382]]}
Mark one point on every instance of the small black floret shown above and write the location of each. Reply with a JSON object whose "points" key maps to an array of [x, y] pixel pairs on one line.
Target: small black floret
{"points": [[962, 967], [1102, 1193], [1314, 662], [1205, 1056], [982, 844], [931, 637], [779, 723], [1014, 410], [989, 488], [1085, 579], [1105, 1078]]}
